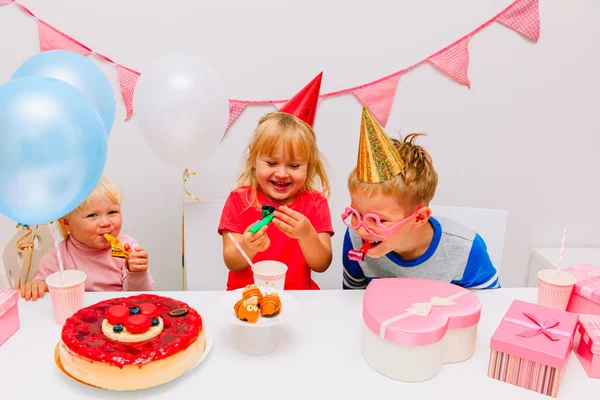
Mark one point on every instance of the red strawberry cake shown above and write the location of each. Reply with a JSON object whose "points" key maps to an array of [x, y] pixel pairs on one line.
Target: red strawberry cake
{"points": [[131, 343]]}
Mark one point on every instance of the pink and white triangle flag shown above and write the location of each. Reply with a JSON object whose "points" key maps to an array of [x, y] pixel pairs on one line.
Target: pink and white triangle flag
{"points": [[523, 17], [127, 80], [53, 39], [278, 105], [454, 61], [236, 108], [5, 2], [379, 97]]}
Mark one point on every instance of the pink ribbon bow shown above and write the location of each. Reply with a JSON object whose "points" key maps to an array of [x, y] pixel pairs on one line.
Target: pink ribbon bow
{"points": [[543, 328]]}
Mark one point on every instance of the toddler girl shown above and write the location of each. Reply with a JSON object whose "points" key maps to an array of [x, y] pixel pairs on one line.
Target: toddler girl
{"points": [[284, 169], [86, 249]]}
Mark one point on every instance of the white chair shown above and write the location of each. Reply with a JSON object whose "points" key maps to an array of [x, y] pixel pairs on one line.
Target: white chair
{"points": [[204, 265], [490, 224], [33, 247]]}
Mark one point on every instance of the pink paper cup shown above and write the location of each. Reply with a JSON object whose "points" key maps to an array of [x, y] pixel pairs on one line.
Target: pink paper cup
{"points": [[269, 274], [554, 293], [66, 293]]}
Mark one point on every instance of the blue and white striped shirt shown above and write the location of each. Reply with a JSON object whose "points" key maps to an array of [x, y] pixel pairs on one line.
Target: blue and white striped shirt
{"points": [[456, 254]]}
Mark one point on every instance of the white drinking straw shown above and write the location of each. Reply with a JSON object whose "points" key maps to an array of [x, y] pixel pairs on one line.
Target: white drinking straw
{"points": [[240, 249]]}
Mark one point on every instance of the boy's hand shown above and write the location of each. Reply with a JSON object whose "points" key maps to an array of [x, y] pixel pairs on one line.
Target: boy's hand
{"points": [[259, 241], [137, 260], [293, 223], [33, 290]]}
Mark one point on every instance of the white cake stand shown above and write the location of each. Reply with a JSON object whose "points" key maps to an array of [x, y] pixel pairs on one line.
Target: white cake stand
{"points": [[257, 338]]}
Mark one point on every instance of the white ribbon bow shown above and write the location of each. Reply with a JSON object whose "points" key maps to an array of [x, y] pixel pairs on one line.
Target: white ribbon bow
{"points": [[423, 309]]}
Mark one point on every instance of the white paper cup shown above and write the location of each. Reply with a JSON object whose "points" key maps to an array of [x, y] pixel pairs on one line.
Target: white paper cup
{"points": [[66, 293], [269, 274], [555, 293]]}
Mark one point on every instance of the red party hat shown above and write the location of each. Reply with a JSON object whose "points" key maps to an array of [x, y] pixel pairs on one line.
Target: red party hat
{"points": [[304, 104]]}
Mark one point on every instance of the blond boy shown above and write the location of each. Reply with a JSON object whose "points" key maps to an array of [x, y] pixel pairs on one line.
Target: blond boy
{"points": [[391, 232]]}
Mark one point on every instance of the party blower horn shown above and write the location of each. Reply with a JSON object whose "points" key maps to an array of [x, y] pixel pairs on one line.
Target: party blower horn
{"points": [[359, 255], [268, 212]]}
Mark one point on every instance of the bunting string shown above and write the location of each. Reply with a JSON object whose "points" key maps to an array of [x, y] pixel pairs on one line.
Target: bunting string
{"points": [[522, 16]]}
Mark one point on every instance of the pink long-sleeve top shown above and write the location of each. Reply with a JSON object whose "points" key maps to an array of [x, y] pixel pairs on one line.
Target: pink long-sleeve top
{"points": [[104, 272]]}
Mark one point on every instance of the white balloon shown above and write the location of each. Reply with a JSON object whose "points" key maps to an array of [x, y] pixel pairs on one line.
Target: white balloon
{"points": [[181, 109]]}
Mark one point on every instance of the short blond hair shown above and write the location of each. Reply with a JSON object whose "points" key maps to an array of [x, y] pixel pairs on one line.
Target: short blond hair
{"points": [[297, 138], [415, 185], [104, 187]]}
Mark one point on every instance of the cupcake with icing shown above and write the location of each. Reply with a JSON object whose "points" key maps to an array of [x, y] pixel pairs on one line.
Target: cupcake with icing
{"points": [[252, 290], [270, 305]]}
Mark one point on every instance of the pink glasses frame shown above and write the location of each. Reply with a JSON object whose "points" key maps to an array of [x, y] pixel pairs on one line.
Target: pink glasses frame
{"points": [[388, 231]]}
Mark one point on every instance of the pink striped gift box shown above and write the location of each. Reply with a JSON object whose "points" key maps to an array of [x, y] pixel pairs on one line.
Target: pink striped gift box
{"points": [[531, 347], [9, 314], [585, 297], [587, 344]]}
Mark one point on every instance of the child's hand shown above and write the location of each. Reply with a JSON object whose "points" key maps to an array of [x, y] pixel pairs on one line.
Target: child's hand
{"points": [[293, 223], [33, 290], [259, 241], [137, 260]]}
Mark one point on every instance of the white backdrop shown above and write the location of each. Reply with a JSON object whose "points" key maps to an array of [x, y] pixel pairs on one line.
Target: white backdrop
{"points": [[524, 138]]}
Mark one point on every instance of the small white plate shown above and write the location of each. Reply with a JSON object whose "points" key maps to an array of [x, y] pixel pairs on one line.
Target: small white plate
{"points": [[289, 305]]}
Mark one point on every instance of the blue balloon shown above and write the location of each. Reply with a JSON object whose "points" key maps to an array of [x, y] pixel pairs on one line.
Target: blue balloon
{"points": [[52, 149], [77, 71]]}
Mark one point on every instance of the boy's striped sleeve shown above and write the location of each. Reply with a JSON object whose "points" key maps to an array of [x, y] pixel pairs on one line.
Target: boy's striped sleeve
{"points": [[479, 272]]}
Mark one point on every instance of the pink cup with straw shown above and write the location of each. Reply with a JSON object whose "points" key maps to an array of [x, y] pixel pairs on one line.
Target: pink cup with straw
{"points": [[554, 288], [67, 289]]}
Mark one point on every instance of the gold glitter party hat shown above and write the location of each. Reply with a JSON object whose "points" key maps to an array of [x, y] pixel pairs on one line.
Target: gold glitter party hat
{"points": [[378, 160]]}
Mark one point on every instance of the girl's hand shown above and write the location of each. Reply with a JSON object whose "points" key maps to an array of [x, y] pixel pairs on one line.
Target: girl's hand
{"points": [[293, 223], [259, 241], [33, 290], [137, 260]]}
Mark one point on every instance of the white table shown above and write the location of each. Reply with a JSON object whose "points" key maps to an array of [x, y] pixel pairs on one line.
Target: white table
{"points": [[547, 257], [319, 356]]}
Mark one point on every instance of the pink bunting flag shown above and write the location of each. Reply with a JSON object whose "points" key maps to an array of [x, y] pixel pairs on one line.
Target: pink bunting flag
{"points": [[454, 61], [127, 80], [236, 107], [5, 2], [378, 97], [524, 18], [278, 105], [53, 39]]}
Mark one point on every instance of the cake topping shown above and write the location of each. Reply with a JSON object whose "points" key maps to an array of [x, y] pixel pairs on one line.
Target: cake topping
{"points": [[118, 328], [117, 314], [150, 310], [138, 323], [88, 333], [134, 310], [179, 312]]}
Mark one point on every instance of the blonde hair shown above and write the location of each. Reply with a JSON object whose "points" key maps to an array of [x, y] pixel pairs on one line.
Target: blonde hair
{"points": [[415, 185], [105, 187], [297, 138]]}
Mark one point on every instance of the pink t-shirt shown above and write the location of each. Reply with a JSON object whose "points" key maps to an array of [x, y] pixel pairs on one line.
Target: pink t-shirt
{"points": [[105, 273]]}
